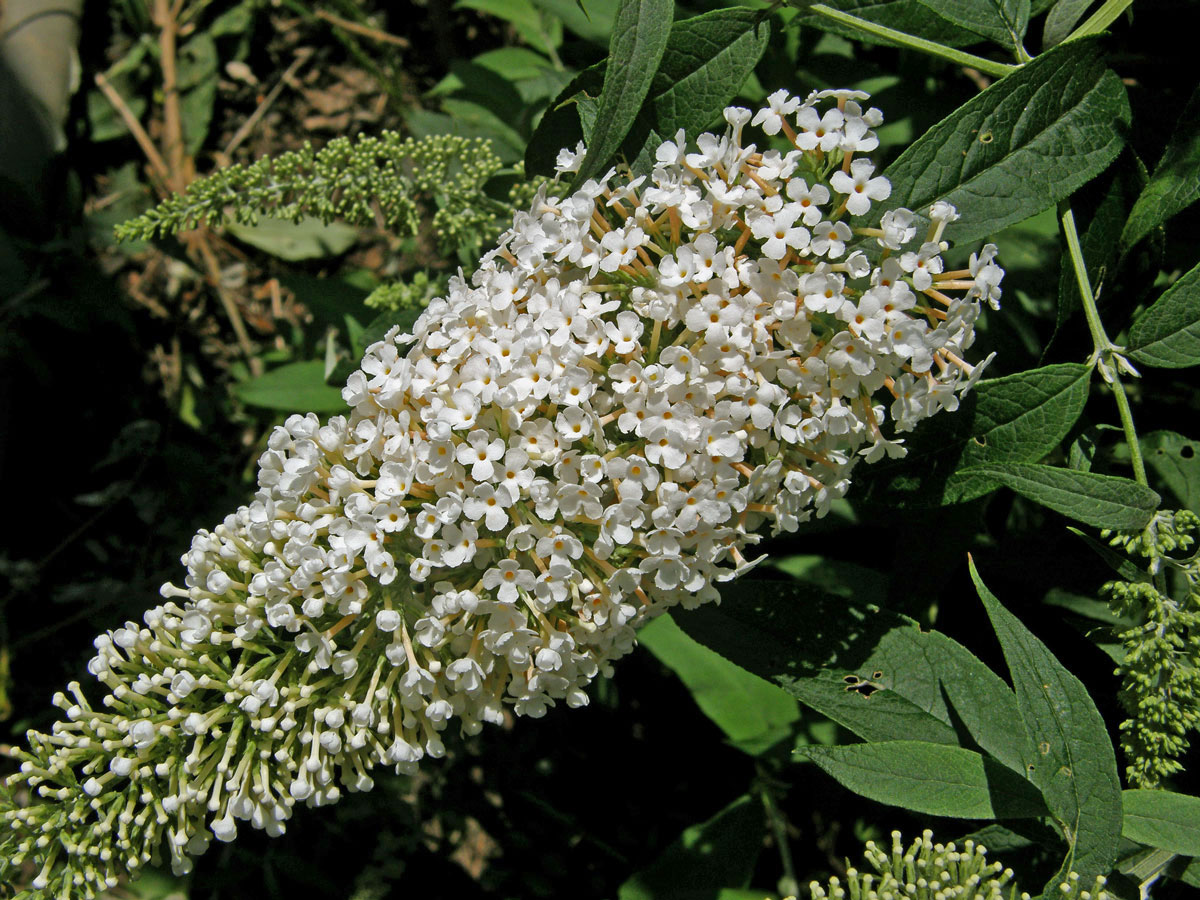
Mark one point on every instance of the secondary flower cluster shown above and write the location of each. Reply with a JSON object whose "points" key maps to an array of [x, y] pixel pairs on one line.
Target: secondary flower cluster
{"points": [[929, 871], [642, 377]]}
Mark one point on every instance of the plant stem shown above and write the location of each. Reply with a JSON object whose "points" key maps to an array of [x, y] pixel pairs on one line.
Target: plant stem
{"points": [[988, 66], [1100, 19], [779, 830], [1106, 356]]}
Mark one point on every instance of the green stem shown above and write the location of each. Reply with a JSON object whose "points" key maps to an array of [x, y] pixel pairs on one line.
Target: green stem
{"points": [[1135, 450], [1106, 356], [779, 828], [987, 66], [1100, 19]]}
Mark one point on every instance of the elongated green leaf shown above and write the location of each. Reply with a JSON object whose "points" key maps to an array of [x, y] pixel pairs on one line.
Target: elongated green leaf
{"points": [[543, 33], [1003, 21], [1118, 563], [1025, 416], [1017, 418], [293, 241], [1076, 769], [295, 387], [753, 713], [1062, 20], [930, 778], [1168, 334], [638, 40], [909, 16], [559, 126], [704, 64], [704, 859], [1163, 819], [836, 576], [1174, 460], [980, 699], [868, 669], [1102, 501], [1022, 145], [591, 20], [706, 60], [1174, 185]]}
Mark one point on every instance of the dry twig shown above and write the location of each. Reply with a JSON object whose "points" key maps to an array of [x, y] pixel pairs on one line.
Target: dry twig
{"points": [[373, 33]]}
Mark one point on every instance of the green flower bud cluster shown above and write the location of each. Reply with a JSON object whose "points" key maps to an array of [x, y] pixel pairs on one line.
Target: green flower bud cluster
{"points": [[1161, 670], [411, 293], [929, 871], [364, 181]]}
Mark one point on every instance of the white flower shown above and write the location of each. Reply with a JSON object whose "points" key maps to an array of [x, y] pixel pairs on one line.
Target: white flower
{"points": [[860, 187], [778, 232], [779, 104]]}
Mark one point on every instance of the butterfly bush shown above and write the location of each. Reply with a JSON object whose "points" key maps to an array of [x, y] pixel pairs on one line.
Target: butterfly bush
{"points": [[641, 379]]}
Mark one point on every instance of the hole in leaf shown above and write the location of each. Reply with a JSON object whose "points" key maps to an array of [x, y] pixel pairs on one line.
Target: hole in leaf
{"points": [[1187, 451], [859, 686]]}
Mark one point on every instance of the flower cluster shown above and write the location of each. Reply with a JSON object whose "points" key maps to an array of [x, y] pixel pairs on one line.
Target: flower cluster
{"points": [[929, 871], [1160, 671], [642, 377]]}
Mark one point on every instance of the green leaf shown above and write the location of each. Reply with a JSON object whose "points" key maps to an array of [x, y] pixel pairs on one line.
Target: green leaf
{"points": [[1174, 460], [294, 387], [980, 699], [909, 16], [705, 858], [479, 85], [1076, 768], [476, 122], [560, 124], [306, 239], [753, 713], [1163, 819], [157, 884], [1003, 21], [930, 778], [513, 63], [1017, 418], [705, 62], [485, 122], [1118, 563], [238, 20], [543, 35], [592, 21], [196, 112], [378, 327], [1061, 20], [1174, 185], [1026, 415], [639, 38], [866, 668], [836, 576], [1167, 335], [1025, 143], [1102, 501]]}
